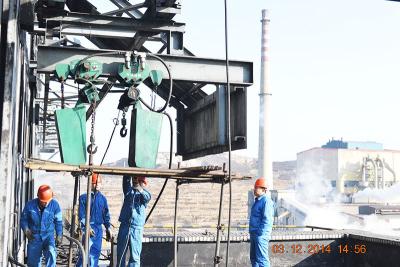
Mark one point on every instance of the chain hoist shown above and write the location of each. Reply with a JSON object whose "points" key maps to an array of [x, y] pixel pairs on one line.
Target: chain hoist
{"points": [[123, 132]]}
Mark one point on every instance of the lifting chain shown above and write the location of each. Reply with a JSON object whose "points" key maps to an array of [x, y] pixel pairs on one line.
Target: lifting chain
{"points": [[62, 95], [92, 148], [123, 132]]}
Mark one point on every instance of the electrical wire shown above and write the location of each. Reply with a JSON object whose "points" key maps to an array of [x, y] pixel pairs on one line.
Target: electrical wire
{"points": [[116, 122], [170, 83], [13, 261], [127, 242], [228, 95]]}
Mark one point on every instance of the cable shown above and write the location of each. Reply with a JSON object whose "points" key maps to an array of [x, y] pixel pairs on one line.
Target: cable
{"points": [[170, 83], [116, 122], [126, 243], [228, 89], [13, 261]]}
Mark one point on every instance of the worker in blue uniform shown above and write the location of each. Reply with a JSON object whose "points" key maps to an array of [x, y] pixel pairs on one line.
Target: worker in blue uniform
{"points": [[260, 226], [99, 215], [132, 219], [40, 218]]}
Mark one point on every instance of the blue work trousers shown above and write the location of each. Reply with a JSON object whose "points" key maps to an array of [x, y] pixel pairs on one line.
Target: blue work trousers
{"points": [[38, 247], [129, 240], [94, 245], [259, 251]]}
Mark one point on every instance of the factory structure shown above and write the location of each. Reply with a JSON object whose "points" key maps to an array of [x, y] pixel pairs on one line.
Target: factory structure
{"points": [[349, 167]]}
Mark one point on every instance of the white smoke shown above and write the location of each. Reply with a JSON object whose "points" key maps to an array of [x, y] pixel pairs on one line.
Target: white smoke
{"points": [[324, 208], [389, 195], [311, 186]]}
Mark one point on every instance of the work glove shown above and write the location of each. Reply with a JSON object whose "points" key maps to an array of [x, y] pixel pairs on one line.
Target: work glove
{"points": [[139, 188], [143, 184], [29, 234], [58, 240], [108, 235], [92, 232], [78, 233]]}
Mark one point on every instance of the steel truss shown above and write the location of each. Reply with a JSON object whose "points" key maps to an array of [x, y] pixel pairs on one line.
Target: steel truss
{"points": [[126, 29]]}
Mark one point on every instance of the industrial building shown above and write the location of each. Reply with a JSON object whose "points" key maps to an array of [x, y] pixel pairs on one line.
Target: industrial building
{"points": [[349, 166]]}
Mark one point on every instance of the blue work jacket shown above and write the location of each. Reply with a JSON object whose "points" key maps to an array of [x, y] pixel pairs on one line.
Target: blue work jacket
{"points": [[134, 208], [99, 212], [262, 216], [42, 223]]}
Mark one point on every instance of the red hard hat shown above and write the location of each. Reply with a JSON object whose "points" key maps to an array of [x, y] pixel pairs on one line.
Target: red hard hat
{"points": [[96, 178], [261, 182], [45, 194], [142, 179]]}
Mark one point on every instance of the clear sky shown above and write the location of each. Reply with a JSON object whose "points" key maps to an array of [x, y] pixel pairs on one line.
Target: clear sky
{"points": [[334, 65]]}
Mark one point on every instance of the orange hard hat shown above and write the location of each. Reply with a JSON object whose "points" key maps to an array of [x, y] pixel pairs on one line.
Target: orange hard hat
{"points": [[142, 179], [261, 182], [45, 194], [96, 178]]}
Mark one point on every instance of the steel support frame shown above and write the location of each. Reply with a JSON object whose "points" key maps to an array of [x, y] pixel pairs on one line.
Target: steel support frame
{"points": [[183, 68], [73, 217], [105, 26], [175, 225], [9, 108]]}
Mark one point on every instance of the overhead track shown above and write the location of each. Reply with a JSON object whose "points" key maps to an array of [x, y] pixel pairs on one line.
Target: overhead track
{"points": [[185, 68]]}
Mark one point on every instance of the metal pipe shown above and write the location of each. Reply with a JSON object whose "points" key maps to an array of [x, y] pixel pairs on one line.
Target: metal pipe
{"points": [[87, 219], [391, 170], [80, 248], [375, 171], [364, 169], [124, 9], [45, 103], [228, 96], [175, 226], [379, 163], [217, 258], [73, 218]]}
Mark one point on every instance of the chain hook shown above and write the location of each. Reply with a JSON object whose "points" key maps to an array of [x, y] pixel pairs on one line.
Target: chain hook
{"points": [[123, 132], [91, 149]]}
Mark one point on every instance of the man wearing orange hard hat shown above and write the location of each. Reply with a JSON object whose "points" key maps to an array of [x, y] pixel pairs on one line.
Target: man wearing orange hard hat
{"points": [[40, 218], [260, 225], [99, 215]]}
